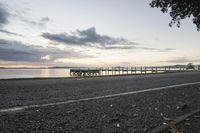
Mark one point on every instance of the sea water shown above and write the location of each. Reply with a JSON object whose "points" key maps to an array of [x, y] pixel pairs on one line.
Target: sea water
{"points": [[33, 73]]}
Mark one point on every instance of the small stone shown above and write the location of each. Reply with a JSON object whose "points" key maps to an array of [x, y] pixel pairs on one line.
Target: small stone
{"points": [[133, 106], [111, 105], [118, 125], [165, 123], [20, 129], [168, 106], [177, 107], [145, 129], [70, 111]]}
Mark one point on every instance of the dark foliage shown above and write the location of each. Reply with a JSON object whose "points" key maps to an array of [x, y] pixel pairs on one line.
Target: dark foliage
{"points": [[179, 9]]}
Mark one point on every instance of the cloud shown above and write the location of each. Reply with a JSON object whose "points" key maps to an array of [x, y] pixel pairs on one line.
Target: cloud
{"points": [[45, 19], [156, 49], [41, 23], [17, 51], [10, 33], [118, 47], [26, 18], [181, 60], [168, 49], [89, 37], [4, 14], [4, 18], [139, 48]]}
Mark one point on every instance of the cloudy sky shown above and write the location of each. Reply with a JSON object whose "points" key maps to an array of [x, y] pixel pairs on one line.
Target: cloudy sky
{"points": [[92, 33]]}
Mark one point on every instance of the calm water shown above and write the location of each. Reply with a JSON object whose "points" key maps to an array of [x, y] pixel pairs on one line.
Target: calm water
{"points": [[33, 73]]}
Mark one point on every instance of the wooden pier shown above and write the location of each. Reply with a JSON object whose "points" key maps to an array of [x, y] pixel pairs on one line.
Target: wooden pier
{"points": [[107, 71]]}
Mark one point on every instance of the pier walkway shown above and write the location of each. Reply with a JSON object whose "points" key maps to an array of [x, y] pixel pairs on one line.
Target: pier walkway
{"points": [[106, 71]]}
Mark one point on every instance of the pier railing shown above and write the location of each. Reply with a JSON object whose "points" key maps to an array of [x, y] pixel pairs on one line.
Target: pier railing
{"points": [[106, 71]]}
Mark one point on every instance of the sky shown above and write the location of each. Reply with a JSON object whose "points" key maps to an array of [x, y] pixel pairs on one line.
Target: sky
{"points": [[98, 33]]}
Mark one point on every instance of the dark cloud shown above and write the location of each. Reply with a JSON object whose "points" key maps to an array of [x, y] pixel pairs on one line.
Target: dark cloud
{"points": [[89, 37], [4, 14], [45, 19], [10, 33], [17, 51]]}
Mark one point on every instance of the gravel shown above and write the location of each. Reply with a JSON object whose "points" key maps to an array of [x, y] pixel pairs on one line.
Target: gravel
{"points": [[124, 114]]}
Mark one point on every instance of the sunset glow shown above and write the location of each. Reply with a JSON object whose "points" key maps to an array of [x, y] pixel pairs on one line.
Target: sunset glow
{"points": [[92, 33]]}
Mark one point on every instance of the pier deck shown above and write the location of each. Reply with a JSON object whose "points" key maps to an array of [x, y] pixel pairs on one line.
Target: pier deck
{"points": [[106, 71]]}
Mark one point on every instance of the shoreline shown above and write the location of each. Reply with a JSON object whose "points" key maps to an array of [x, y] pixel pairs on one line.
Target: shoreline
{"points": [[102, 76]]}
